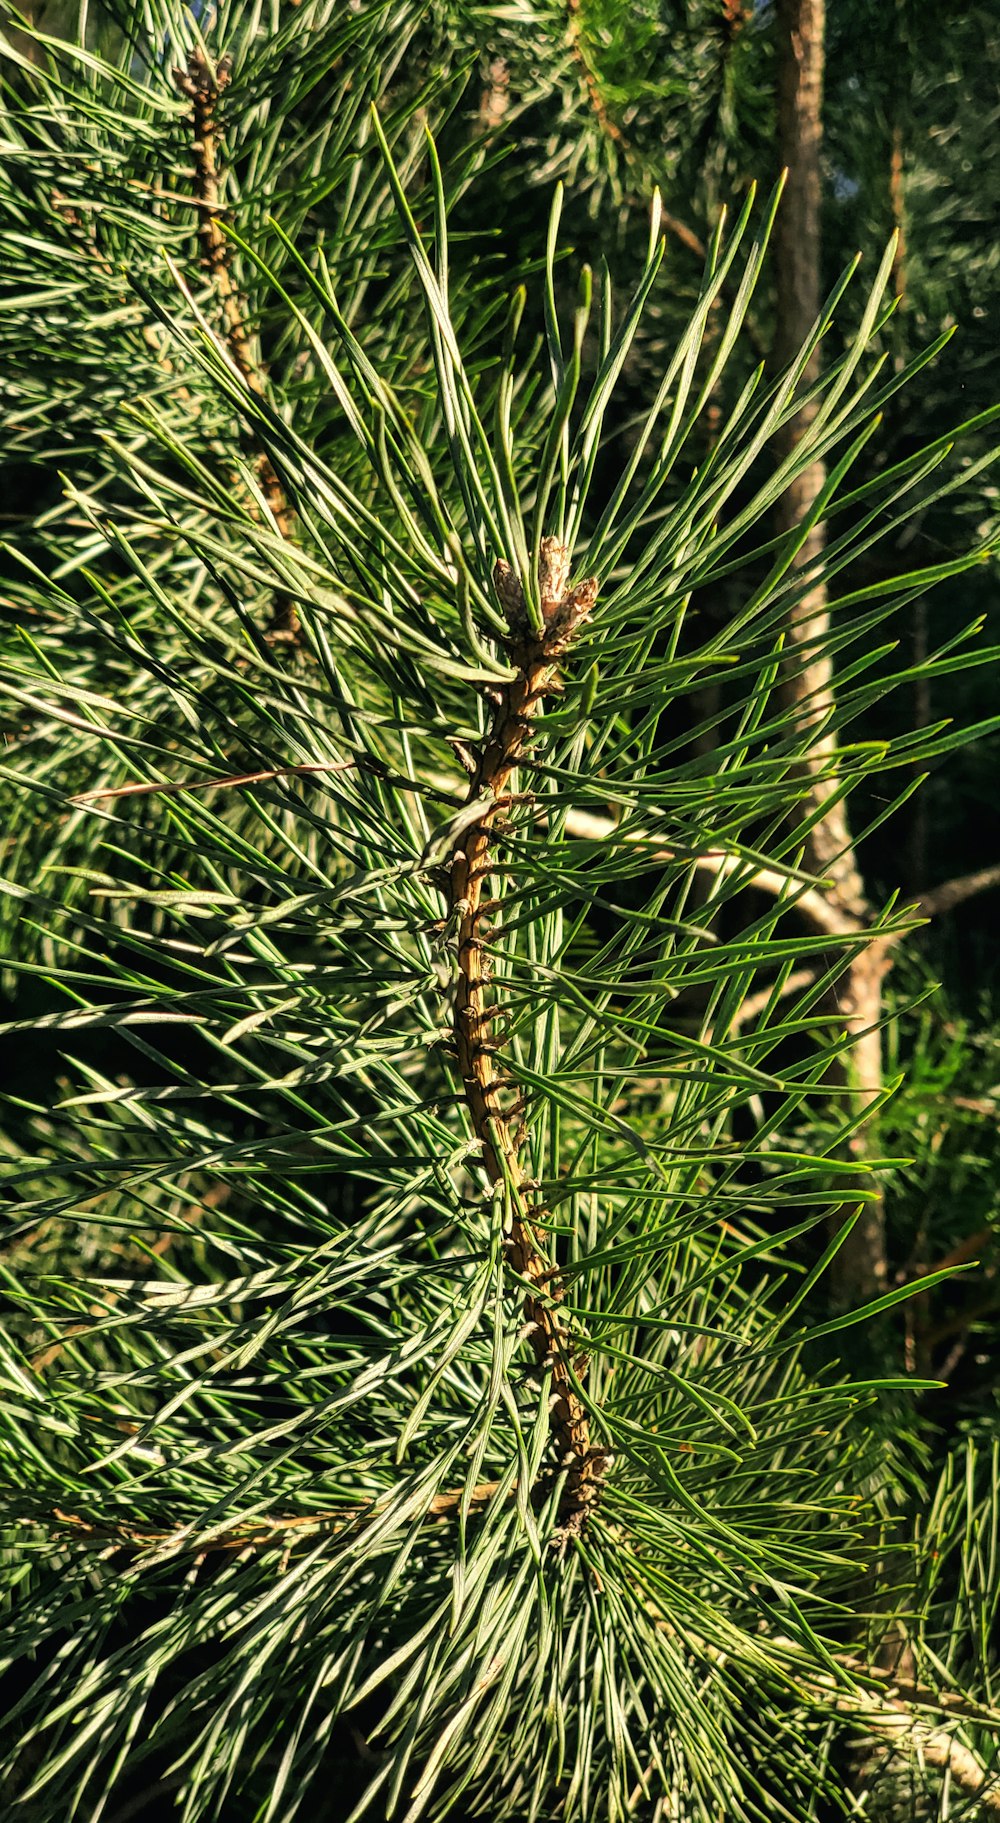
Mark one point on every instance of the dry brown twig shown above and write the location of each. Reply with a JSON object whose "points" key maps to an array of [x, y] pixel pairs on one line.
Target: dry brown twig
{"points": [[270, 1528]]}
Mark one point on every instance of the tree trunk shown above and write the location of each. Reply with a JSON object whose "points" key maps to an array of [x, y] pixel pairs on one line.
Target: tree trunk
{"points": [[860, 1269]]}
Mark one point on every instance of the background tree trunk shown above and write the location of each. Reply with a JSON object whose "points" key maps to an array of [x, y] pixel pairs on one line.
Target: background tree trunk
{"points": [[859, 1272]]}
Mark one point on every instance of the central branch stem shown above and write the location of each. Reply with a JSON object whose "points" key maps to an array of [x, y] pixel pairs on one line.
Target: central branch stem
{"points": [[497, 1122]]}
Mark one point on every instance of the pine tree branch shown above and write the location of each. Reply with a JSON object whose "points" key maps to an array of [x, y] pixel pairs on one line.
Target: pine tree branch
{"points": [[203, 87], [681, 231], [892, 1715], [498, 1125], [893, 1707], [811, 903], [236, 778], [270, 1528], [944, 898]]}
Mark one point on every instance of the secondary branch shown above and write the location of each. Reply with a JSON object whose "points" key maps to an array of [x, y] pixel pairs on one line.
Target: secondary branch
{"points": [[203, 87]]}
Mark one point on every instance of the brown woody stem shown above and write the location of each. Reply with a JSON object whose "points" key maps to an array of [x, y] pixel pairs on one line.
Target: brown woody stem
{"points": [[497, 1124], [203, 87], [268, 1529]]}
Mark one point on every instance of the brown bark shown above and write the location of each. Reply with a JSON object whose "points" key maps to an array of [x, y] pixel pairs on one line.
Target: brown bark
{"points": [[496, 1118], [809, 677], [859, 1272], [203, 86]]}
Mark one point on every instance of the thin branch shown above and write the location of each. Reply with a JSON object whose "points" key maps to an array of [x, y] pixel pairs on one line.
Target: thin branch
{"points": [[962, 1322], [497, 1123], [270, 1528], [860, 1268], [735, 13], [203, 87], [811, 902], [892, 1720], [944, 898], [958, 1255], [237, 778], [758, 1003], [889, 1714], [913, 1693]]}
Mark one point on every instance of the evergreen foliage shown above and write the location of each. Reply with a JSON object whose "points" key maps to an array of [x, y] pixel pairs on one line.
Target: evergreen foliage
{"points": [[417, 1362]]}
